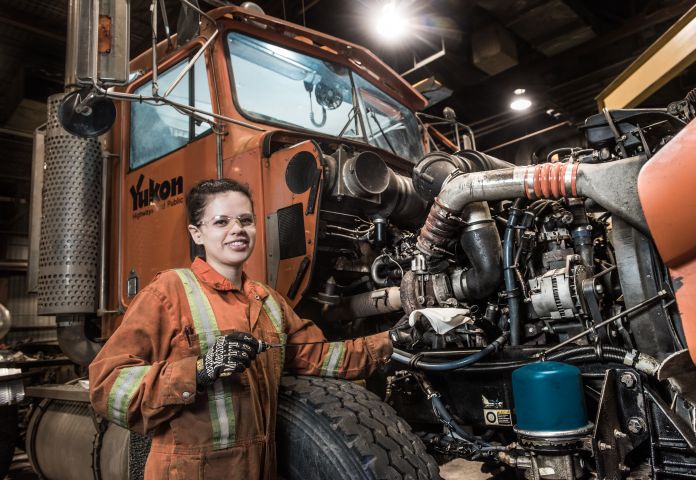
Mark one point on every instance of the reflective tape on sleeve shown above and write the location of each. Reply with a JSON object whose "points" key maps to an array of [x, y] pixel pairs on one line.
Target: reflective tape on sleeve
{"points": [[331, 366], [123, 391]]}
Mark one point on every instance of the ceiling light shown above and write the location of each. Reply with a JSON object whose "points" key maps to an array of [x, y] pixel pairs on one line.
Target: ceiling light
{"points": [[391, 23], [521, 104], [519, 91]]}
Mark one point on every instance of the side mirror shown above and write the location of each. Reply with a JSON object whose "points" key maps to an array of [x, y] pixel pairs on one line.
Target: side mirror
{"points": [[86, 114], [98, 43], [188, 23]]}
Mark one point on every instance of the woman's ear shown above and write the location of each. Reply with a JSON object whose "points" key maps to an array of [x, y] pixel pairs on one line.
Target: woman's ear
{"points": [[195, 234]]}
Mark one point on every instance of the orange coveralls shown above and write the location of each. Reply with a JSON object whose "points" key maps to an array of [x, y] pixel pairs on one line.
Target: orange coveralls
{"points": [[144, 378]]}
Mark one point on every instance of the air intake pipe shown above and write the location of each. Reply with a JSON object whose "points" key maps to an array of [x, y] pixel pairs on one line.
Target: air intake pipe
{"points": [[433, 169], [479, 236], [380, 190]]}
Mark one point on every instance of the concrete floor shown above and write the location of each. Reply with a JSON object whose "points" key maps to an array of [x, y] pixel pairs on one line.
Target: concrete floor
{"points": [[454, 470], [463, 470]]}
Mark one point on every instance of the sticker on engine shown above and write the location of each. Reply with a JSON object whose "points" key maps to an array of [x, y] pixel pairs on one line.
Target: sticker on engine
{"points": [[497, 417]]}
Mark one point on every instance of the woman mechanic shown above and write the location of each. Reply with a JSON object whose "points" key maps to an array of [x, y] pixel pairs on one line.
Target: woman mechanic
{"points": [[187, 363]]}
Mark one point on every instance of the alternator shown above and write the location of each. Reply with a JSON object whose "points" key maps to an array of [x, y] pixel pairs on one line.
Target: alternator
{"points": [[555, 293]]}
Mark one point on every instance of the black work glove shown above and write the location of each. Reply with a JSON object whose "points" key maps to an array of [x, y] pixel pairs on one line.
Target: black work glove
{"points": [[229, 354], [403, 335]]}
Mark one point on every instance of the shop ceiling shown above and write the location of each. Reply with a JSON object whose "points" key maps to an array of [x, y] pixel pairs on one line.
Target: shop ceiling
{"points": [[563, 52]]}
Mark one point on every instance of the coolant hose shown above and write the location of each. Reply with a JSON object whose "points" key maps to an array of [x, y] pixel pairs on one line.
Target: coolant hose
{"points": [[511, 290], [408, 358]]}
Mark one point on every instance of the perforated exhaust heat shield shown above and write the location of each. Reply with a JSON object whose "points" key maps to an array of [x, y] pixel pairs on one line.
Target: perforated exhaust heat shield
{"points": [[69, 246]]}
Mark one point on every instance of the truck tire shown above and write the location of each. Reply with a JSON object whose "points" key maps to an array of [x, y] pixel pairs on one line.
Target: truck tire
{"points": [[336, 429], [9, 430]]}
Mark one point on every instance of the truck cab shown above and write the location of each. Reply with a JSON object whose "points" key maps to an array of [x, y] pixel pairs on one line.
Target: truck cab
{"points": [[304, 105]]}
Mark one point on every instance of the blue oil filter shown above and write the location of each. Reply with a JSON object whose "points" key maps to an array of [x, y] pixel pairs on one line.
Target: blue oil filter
{"points": [[549, 398]]}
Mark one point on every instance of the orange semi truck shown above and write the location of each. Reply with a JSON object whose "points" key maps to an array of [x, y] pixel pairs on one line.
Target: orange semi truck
{"points": [[519, 282]]}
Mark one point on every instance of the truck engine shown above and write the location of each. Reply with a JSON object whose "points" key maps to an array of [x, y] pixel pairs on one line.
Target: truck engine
{"points": [[548, 267]]}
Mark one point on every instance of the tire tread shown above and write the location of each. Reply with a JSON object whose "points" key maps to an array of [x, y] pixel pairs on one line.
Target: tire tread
{"points": [[381, 441]]}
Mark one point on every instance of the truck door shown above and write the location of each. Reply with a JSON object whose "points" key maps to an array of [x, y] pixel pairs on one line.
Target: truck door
{"points": [[166, 152]]}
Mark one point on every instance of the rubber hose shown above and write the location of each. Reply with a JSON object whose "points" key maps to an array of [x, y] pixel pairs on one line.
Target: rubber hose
{"points": [[377, 278], [617, 356], [449, 420], [572, 352], [482, 248], [513, 300], [407, 358], [579, 355]]}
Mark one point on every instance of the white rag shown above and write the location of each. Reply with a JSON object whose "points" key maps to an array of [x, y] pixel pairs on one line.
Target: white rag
{"points": [[442, 319]]}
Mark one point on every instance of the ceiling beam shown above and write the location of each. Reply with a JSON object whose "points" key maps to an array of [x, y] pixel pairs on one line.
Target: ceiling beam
{"points": [[662, 61], [13, 21]]}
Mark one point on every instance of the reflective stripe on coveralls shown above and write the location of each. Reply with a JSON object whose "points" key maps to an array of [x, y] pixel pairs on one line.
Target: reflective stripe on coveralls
{"points": [[220, 392], [122, 393], [337, 350], [274, 312], [333, 359]]}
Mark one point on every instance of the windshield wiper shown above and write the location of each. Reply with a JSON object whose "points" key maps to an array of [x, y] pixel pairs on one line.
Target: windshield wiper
{"points": [[371, 113]]}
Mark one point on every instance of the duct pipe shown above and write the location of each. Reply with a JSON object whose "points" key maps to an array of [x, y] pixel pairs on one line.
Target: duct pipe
{"points": [[479, 239], [376, 302], [5, 321], [612, 185], [433, 169], [401, 202], [480, 242], [73, 341]]}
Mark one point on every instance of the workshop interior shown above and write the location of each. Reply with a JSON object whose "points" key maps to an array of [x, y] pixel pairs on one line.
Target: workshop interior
{"points": [[506, 186]]}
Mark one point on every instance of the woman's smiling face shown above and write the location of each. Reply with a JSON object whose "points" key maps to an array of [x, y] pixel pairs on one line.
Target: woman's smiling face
{"points": [[227, 244]]}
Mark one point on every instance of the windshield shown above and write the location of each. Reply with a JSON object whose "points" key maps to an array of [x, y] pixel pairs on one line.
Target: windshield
{"points": [[276, 85]]}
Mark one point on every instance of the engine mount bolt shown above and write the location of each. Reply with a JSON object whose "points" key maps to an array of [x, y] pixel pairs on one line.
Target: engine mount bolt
{"points": [[628, 380], [636, 425]]}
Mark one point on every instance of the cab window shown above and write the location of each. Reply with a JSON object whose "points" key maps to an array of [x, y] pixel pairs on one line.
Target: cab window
{"points": [[157, 130]]}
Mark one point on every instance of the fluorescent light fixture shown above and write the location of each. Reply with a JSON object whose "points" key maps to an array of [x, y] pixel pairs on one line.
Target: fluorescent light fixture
{"points": [[391, 24], [519, 91], [521, 104]]}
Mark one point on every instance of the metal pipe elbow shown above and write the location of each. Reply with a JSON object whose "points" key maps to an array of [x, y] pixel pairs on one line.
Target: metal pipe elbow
{"points": [[74, 342]]}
